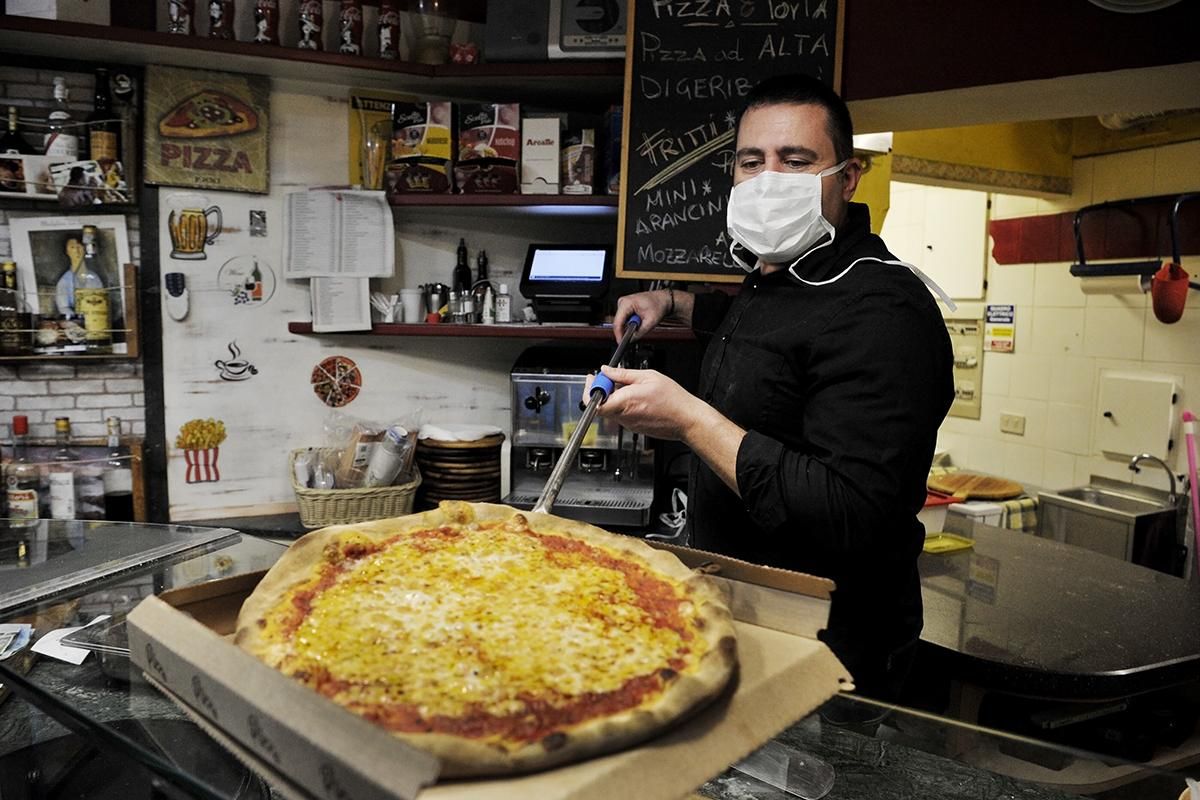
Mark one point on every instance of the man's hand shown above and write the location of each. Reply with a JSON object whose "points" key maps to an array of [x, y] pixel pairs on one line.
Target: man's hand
{"points": [[650, 403], [653, 308]]}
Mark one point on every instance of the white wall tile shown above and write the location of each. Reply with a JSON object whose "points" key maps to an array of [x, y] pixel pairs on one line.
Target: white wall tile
{"points": [[1074, 381], [1114, 332], [1057, 331], [1123, 175], [1011, 284], [1139, 300], [1030, 376], [1007, 206], [1023, 463], [1177, 167], [1178, 342], [1068, 428], [1054, 285], [1058, 470], [997, 369]]}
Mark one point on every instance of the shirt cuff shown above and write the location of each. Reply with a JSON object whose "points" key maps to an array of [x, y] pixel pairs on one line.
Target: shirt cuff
{"points": [[758, 461]]}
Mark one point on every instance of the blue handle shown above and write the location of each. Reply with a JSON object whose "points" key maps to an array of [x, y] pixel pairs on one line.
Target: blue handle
{"points": [[602, 384], [634, 321]]}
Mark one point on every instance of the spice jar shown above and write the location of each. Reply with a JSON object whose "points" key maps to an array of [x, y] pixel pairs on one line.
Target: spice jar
{"points": [[312, 24], [220, 19], [350, 28], [266, 21]]}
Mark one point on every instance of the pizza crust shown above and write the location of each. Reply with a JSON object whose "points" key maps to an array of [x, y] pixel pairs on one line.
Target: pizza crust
{"points": [[466, 757]]}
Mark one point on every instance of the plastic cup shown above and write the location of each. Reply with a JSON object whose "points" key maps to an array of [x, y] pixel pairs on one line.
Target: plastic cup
{"points": [[413, 302]]}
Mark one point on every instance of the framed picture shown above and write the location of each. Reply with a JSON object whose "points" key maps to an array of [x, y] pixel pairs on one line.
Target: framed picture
{"points": [[45, 248]]}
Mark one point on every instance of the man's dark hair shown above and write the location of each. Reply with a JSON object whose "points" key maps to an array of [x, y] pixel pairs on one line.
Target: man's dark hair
{"points": [[798, 89]]}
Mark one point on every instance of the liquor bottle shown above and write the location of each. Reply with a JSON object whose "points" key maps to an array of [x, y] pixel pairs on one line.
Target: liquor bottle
{"points": [[266, 21], [14, 320], [13, 141], [482, 287], [350, 28], [180, 16], [104, 127], [389, 29], [312, 25], [117, 476], [21, 478], [61, 139], [462, 270], [60, 476], [220, 19], [91, 297]]}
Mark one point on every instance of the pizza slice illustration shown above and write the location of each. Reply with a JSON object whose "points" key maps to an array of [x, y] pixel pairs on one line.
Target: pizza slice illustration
{"points": [[208, 114]]}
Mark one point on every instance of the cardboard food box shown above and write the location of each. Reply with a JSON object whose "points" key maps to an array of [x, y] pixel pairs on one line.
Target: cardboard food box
{"points": [[489, 148], [539, 155], [579, 161], [422, 152], [310, 747]]}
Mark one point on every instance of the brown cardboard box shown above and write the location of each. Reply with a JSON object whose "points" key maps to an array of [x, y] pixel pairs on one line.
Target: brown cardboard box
{"points": [[311, 747]]}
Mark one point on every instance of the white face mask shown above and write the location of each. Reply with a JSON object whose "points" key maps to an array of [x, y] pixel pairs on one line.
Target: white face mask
{"points": [[777, 215]]}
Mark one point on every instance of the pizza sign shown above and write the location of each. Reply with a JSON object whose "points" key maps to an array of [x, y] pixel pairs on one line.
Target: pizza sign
{"points": [[207, 129]]}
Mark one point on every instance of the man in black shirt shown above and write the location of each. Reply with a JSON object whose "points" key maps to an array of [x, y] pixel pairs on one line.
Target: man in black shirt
{"points": [[822, 388]]}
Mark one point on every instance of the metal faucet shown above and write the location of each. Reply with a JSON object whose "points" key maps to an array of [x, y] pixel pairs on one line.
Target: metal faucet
{"points": [[1138, 459]]}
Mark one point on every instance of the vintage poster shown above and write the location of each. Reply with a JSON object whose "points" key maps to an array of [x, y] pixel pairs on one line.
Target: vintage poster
{"points": [[207, 130]]}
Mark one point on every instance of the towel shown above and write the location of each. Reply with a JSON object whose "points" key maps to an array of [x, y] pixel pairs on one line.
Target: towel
{"points": [[1020, 514]]}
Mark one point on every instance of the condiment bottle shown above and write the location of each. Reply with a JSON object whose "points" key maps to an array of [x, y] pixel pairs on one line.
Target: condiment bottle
{"points": [[266, 21], [312, 24], [389, 29], [503, 305]]}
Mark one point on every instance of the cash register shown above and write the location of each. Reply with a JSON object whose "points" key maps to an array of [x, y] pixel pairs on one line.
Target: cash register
{"points": [[567, 283]]}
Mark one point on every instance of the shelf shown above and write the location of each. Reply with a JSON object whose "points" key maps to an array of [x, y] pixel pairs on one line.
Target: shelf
{"points": [[582, 201], [570, 84], [515, 331]]}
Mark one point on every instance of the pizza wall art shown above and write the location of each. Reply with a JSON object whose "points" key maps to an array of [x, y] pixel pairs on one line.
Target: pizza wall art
{"points": [[207, 129]]}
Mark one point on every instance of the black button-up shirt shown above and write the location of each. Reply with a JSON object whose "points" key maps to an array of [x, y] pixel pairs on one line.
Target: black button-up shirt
{"points": [[841, 386]]}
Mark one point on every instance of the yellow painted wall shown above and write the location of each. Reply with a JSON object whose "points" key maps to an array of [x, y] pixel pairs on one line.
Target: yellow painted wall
{"points": [[875, 189], [1035, 148]]}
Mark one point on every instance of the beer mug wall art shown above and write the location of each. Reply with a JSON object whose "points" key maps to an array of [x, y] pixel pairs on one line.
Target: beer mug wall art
{"points": [[192, 226]]}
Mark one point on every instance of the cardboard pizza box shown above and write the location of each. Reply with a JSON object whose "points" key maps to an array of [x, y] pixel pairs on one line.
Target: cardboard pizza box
{"points": [[310, 747]]}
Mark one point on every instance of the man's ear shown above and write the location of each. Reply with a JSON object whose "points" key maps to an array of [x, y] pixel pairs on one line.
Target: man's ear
{"points": [[851, 175]]}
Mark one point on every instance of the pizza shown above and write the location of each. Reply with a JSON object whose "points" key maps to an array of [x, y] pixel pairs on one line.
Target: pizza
{"points": [[500, 641], [336, 380], [208, 114]]}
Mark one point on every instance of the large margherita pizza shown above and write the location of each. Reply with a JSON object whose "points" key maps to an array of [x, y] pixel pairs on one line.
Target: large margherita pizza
{"points": [[500, 641]]}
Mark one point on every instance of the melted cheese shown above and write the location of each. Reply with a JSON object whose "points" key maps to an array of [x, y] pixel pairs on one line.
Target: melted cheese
{"points": [[485, 620]]}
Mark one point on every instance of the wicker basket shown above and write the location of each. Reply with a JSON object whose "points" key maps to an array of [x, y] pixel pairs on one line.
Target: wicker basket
{"points": [[321, 507]]}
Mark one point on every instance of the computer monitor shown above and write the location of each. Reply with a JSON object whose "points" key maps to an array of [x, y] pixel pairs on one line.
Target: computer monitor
{"points": [[567, 282]]}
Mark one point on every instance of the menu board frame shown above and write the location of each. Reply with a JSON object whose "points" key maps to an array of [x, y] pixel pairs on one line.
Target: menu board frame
{"points": [[675, 183]]}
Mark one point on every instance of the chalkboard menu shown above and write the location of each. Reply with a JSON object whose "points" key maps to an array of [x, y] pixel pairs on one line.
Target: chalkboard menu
{"points": [[688, 65]]}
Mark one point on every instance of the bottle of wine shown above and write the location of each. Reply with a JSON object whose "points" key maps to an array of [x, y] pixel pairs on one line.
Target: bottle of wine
{"points": [[21, 478], [91, 297], [481, 289], [117, 476], [104, 127], [15, 321], [60, 477], [61, 139], [462, 270], [13, 141]]}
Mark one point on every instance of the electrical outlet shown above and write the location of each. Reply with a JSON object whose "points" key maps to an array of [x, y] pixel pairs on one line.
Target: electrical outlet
{"points": [[1012, 423]]}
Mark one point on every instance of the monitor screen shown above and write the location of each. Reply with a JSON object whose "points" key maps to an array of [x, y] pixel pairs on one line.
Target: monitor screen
{"points": [[567, 266]]}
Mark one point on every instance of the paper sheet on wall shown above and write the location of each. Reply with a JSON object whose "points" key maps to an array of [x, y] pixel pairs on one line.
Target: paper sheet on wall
{"points": [[333, 233], [340, 304]]}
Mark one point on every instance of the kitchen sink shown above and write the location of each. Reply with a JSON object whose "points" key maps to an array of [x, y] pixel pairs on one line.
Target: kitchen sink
{"points": [[1123, 520]]}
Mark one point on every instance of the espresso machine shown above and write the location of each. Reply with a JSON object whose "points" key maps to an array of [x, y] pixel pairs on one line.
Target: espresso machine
{"points": [[611, 483]]}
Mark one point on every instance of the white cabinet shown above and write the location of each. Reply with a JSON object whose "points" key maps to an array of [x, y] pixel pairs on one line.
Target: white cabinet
{"points": [[943, 232]]}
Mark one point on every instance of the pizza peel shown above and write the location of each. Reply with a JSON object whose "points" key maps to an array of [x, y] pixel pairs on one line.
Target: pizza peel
{"points": [[602, 386]]}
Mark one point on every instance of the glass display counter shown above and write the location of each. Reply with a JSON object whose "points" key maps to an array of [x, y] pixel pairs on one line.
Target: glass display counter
{"points": [[95, 730]]}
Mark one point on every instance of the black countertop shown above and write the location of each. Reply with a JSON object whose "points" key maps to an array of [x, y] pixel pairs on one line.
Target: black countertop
{"points": [[1032, 616]]}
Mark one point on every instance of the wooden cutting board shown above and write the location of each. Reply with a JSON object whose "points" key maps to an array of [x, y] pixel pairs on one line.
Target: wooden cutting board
{"points": [[973, 486]]}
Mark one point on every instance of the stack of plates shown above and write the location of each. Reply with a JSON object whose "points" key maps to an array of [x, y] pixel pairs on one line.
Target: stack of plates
{"points": [[459, 470]]}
